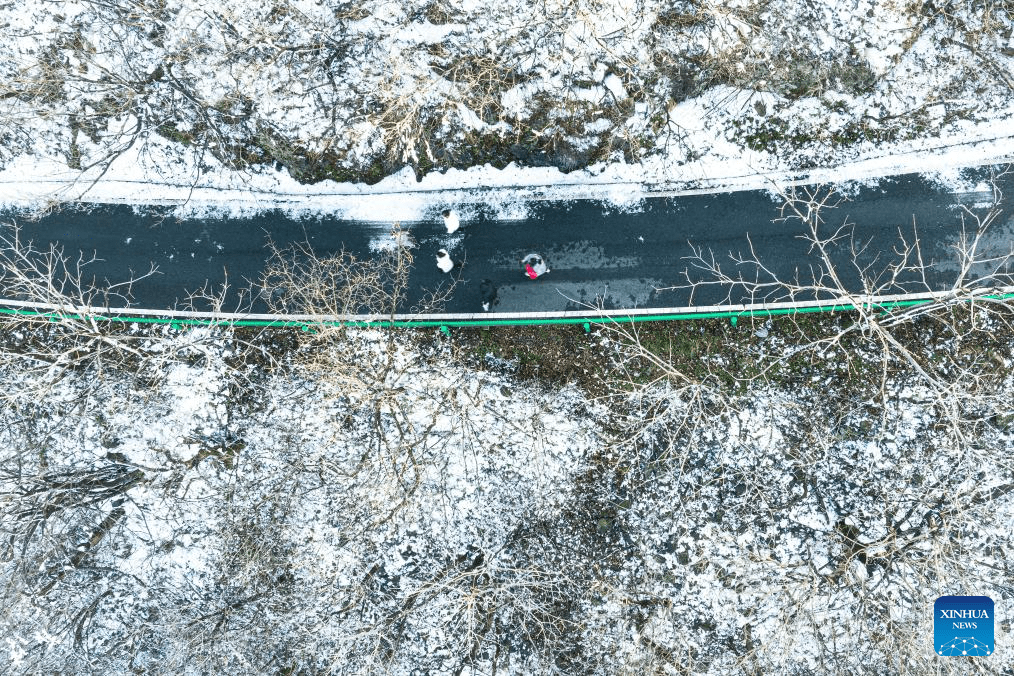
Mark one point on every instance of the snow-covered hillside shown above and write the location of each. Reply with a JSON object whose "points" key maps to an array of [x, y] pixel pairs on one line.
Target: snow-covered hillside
{"points": [[681, 95], [234, 504]]}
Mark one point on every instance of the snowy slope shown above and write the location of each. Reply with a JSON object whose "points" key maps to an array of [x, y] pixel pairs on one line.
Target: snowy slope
{"points": [[628, 97]]}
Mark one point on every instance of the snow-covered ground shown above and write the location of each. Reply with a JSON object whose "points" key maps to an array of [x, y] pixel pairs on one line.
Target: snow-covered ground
{"points": [[173, 103], [372, 504], [162, 175]]}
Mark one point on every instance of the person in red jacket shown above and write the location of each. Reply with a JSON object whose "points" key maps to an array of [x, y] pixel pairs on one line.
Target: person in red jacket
{"points": [[535, 266]]}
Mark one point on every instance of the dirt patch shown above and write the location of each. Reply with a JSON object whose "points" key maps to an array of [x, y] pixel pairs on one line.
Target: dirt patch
{"points": [[555, 355]]}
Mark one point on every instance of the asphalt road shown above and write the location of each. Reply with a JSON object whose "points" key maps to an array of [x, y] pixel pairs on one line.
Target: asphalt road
{"points": [[598, 256]]}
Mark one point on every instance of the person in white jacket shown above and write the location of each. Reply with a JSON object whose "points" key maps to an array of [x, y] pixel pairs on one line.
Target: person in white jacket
{"points": [[444, 261], [451, 220]]}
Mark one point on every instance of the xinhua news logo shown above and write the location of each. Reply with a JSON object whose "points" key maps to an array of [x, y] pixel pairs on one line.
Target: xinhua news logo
{"points": [[963, 626]]}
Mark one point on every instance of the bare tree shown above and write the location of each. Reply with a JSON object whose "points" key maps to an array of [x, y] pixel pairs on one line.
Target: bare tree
{"points": [[846, 272], [299, 281], [59, 319], [53, 291]]}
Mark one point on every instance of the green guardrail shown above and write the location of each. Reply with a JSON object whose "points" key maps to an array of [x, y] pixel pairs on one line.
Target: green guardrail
{"points": [[444, 324]]}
